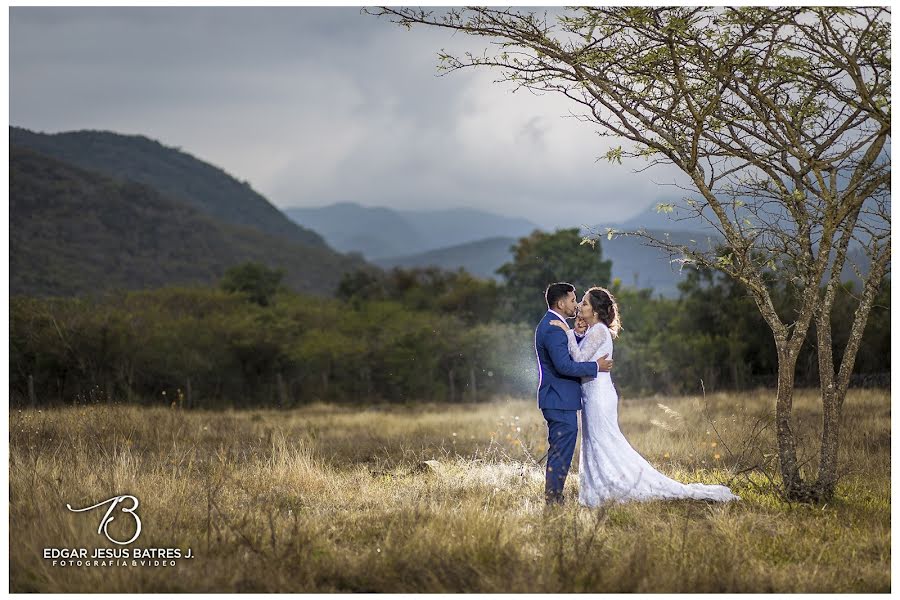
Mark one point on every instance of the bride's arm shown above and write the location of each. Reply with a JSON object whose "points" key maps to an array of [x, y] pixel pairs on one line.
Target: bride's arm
{"points": [[594, 338]]}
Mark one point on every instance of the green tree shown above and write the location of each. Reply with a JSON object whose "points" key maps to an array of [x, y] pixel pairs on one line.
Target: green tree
{"points": [[256, 281], [544, 258], [778, 117], [424, 288]]}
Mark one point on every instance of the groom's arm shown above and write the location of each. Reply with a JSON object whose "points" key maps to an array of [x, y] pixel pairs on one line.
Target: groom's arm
{"points": [[558, 349]]}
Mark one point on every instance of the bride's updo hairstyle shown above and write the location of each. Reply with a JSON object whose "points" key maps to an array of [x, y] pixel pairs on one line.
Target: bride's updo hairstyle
{"points": [[604, 304]]}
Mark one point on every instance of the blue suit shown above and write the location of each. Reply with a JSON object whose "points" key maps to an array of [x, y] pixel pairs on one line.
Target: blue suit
{"points": [[559, 398]]}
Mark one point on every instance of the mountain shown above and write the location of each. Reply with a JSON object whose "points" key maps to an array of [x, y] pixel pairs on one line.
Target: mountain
{"points": [[73, 232], [635, 264], [170, 171], [651, 219], [456, 226], [642, 266], [481, 258], [372, 232], [383, 233]]}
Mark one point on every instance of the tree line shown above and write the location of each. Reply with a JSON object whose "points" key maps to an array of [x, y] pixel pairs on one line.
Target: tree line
{"points": [[405, 335]]}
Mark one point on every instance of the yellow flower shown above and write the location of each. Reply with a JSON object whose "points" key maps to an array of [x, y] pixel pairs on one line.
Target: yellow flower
{"points": [[666, 455], [713, 444], [716, 457]]}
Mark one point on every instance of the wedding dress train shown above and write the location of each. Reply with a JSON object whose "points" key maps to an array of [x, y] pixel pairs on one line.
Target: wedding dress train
{"points": [[610, 469]]}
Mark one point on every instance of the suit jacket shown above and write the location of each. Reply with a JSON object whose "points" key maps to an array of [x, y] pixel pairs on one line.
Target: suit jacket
{"points": [[560, 376]]}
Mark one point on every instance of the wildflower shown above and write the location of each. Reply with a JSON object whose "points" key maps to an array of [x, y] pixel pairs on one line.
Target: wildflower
{"points": [[518, 429], [666, 455], [713, 444], [454, 434], [717, 457]]}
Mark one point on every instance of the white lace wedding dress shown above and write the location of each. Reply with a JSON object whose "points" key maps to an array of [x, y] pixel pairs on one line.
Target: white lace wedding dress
{"points": [[610, 469]]}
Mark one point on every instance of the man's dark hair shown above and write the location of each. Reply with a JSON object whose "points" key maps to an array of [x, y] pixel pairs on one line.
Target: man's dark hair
{"points": [[557, 291]]}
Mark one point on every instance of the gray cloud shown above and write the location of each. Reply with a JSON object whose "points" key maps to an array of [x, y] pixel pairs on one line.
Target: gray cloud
{"points": [[317, 105]]}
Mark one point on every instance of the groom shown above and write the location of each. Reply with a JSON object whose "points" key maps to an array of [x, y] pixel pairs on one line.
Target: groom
{"points": [[559, 390]]}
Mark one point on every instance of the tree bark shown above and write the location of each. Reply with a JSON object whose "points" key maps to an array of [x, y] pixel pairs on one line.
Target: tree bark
{"points": [[831, 409], [787, 448], [834, 390]]}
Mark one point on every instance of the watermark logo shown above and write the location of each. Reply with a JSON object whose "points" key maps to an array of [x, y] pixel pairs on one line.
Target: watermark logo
{"points": [[125, 506], [108, 517]]}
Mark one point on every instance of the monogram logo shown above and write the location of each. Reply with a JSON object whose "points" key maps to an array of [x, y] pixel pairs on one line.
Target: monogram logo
{"points": [[104, 523]]}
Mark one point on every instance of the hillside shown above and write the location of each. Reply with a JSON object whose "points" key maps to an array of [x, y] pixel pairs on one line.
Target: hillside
{"points": [[480, 258], [632, 262], [74, 232], [348, 227], [173, 173], [385, 233]]}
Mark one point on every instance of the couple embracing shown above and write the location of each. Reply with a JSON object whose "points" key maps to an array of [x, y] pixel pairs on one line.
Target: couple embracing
{"points": [[574, 375]]}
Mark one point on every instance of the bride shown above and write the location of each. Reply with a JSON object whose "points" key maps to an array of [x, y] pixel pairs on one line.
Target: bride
{"points": [[610, 469]]}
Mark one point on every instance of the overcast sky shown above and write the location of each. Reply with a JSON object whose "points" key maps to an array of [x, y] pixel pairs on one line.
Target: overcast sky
{"points": [[319, 105]]}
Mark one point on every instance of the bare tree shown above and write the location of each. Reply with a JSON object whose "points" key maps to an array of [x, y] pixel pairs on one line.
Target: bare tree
{"points": [[779, 118]]}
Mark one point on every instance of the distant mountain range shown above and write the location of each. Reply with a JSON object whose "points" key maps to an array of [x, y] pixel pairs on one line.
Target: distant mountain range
{"points": [[635, 264], [170, 171], [75, 230], [379, 233], [91, 210], [481, 258]]}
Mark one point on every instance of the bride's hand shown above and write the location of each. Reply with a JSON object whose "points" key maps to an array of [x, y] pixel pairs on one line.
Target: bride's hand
{"points": [[561, 324]]}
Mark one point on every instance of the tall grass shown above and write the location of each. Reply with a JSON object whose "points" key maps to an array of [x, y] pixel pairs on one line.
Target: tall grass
{"points": [[331, 498]]}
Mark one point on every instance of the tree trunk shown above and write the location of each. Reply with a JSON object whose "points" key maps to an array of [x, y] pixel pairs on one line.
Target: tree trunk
{"points": [[834, 390], [282, 390], [189, 393], [31, 398], [473, 388], [831, 409], [787, 450], [452, 385], [831, 428]]}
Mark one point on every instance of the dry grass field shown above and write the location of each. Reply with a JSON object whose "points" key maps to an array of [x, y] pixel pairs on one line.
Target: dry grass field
{"points": [[339, 499]]}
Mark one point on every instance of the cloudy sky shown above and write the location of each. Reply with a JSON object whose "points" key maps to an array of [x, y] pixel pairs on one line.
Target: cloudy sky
{"points": [[319, 105]]}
